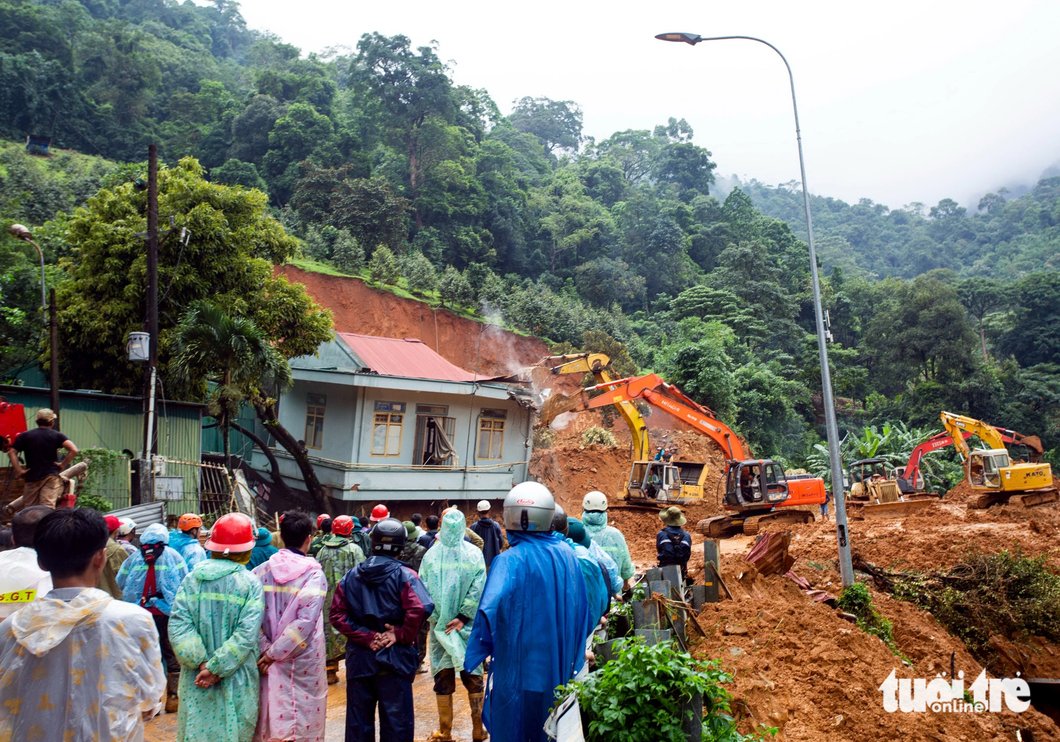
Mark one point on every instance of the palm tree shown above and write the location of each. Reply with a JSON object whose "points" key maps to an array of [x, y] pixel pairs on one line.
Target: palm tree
{"points": [[232, 354]]}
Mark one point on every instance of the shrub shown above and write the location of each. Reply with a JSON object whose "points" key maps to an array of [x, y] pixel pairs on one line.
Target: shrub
{"points": [[454, 289], [644, 695], [347, 254], [383, 267], [419, 273], [857, 600], [599, 435]]}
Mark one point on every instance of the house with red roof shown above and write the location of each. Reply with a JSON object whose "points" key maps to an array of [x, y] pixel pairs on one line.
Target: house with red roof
{"points": [[389, 419]]}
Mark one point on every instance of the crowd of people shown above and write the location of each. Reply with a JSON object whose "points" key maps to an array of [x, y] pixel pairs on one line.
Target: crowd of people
{"points": [[242, 634]]}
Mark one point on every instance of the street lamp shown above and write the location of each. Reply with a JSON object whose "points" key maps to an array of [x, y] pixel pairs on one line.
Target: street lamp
{"points": [[846, 569], [21, 232]]}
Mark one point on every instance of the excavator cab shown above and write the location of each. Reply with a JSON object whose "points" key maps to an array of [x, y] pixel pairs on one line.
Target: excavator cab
{"points": [[755, 482], [985, 466], [655, 480]]}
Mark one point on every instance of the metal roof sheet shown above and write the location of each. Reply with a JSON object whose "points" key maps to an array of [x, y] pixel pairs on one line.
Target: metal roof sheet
{"points": [[404, 357]]}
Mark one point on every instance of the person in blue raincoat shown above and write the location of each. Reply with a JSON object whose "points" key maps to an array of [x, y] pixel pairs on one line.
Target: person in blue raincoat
{"points": [[263, 548], [597, 583], [533, 619], [576, 532], [150, 579], [185, 539]]}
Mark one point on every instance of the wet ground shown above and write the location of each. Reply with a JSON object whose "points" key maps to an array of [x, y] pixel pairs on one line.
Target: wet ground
{"points": [[164, 728]]}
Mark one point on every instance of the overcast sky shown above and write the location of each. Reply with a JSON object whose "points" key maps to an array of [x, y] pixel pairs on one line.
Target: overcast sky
{"points": [[899, 101]]}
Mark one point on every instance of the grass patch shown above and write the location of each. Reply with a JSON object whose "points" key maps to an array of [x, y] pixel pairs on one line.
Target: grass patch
{"points": [[857, 600]]}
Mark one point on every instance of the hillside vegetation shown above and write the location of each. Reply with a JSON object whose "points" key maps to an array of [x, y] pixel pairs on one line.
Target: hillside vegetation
{"points": [[384, 167]]}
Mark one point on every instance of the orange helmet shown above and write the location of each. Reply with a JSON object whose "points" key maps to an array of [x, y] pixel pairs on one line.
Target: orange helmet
{"points": [[233, 532], [379, 512], [342, 526], [321, 518], [189, 521]]}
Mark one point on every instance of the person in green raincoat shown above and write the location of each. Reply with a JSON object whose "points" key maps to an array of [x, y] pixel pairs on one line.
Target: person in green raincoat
{"points": [[337, 556], [611, 540], [214, 628], [454, 572]]}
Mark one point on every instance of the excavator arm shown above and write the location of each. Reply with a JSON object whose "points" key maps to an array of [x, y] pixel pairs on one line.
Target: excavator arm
{"points": [[647, 388], [599, 365], [942, 440], [958, 425]]}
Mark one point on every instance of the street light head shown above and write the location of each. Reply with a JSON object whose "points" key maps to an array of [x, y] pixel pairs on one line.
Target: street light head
{"points": [[19, 231], [688, 38]]}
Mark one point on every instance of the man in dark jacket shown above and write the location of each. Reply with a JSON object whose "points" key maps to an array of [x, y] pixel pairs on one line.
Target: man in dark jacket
{"points": [[427, 540], [379, 606], [673, 544], [489, 531]]}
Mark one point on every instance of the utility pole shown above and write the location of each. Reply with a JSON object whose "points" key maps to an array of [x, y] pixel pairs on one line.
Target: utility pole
{"points": [[147, 490], [53, 371]]}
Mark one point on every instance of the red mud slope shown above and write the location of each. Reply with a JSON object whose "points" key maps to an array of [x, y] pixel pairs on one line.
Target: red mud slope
{"points": [[359, 308]]}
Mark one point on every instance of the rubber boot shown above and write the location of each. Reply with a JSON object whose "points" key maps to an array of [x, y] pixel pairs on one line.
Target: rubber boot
{"points": [[333, 671], [478, 732], [445, 719], [172, 699]]}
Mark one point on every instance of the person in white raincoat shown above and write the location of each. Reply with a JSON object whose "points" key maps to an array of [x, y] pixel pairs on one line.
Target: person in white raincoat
{"points": [[214, 628], [77, 664], [294, 689], [454, 572]]}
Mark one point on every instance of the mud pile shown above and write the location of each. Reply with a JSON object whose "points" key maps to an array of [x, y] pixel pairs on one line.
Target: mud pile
{"points": [[474, 346], [799, 667]]}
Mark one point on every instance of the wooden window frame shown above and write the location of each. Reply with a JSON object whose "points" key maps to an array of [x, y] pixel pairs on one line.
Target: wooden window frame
{"points": [[315, 410], [493, 426]]}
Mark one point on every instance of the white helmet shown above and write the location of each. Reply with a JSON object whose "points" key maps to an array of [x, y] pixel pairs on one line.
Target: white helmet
{"points": [[595, 502], [529, 507], [483, 505], [126, 527]]}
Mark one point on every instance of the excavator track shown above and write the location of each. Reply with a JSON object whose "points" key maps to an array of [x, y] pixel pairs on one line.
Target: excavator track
{"points": [[1027, 499], [751, 526], [721, 526]]}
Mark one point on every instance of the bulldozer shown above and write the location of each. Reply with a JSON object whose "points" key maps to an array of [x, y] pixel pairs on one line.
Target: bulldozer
{"points": [[990, 470], [875, 492], [757, 493]]}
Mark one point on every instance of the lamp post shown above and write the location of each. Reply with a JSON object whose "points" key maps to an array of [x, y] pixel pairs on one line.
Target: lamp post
{"points": [[51, 323], [21, 232], [846, 569]]}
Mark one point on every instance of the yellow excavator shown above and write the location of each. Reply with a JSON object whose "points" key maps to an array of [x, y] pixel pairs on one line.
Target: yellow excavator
{"points": [[651, 484], [991, 472]]}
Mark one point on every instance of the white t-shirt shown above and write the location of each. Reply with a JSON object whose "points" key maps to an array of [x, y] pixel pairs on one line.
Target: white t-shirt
{"points": [[19, 578]]}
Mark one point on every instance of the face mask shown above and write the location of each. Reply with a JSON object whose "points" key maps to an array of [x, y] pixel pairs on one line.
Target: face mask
{"points": [[595, 519], [151, 552]]}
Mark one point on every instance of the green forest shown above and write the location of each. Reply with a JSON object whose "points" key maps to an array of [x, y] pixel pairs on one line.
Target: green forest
{"points": [[372, 162]]}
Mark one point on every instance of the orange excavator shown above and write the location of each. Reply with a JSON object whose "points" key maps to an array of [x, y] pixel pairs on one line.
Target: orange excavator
{"points": [[757, 493]]}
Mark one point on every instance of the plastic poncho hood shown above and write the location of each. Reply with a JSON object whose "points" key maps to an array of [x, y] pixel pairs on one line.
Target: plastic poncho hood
{"points": [[155, 533], [188, 547], [454, 573], [170, 571], [610, 539], [45, 623], [287, 566], [533, 620]]}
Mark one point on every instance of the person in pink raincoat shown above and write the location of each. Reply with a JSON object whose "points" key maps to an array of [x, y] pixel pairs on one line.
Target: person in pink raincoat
{"points": [[294, 686]]}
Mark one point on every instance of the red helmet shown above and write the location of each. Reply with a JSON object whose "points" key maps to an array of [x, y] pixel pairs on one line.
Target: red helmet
{"points": [[233, 532], [342, 526], [321, 518], [379, 512]]}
